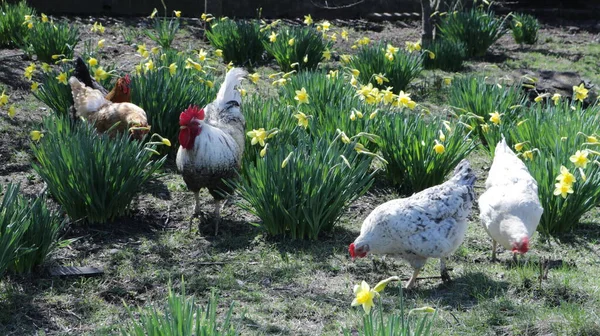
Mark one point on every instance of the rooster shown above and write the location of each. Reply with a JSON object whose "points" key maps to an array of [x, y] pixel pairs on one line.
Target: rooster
{"points": [[510, 210], [107, 116], [212, 143], [429, 224]]}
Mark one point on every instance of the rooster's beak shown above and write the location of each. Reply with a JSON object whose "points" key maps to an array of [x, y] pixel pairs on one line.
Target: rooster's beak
{"points": [[182, 127]]}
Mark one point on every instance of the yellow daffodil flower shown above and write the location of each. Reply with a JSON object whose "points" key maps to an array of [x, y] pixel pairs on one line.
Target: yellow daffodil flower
{"points": [[565, 176], [541, 97], [580, 158], [333, 37], [431, 54], [12, 111], [92, 62], [100, 74], [519, 146], [364, 41], [364, 296], [485, 128], [153, 14], [442, 136], [219, 53], [327, 54], [495, 118], [46, 67], [177, 13], [258, 136], [302, 119], [344, 34], [45, 18], [353, 81], [301, 96], [202, 55], [273, 37], [141, 49], [580, 92], [190, 64], [243, 92], [563, 189], [556, 98], [263, 151], [101, 43], [155, 50], [439, 148], [291, 42], [388, 96], [308, 19], [35, 86], [254, 77], [404, 100], [36, 135], [380, 79], [3, 99], [172, 68], [305, 59], [62, 78], [447, 81], [325, 25]]}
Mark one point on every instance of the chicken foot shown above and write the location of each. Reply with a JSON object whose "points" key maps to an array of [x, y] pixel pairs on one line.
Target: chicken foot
{"points": [[217, 214], [494, 244], [413, 279], [444, 271]]}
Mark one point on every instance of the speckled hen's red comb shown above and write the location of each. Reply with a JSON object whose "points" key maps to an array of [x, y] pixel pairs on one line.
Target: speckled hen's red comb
{"points": [[190, 113]]}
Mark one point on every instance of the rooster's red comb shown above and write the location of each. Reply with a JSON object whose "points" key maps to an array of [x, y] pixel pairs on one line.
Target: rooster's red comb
{"points": [[127, 79], [192, 112]]}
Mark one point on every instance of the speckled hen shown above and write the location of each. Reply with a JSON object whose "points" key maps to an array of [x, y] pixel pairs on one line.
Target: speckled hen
{"points": [[429, 224], [510, 209], [212, 143]]}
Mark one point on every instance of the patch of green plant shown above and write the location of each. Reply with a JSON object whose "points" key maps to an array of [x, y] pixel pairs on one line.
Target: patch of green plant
{"points": [[525, 28], [55, 94], [297, 48], [40, 238], [13, 33], [180, 316], [447, 56], [375, 322], [300, 191], [477, 103], [15, 219], [166, 90], [550, 136], [476, 28], [241, 41], [164, 30], [371, 60], [92, 176], [421, 151], [130, 34], [332, 104], [53, 38]]}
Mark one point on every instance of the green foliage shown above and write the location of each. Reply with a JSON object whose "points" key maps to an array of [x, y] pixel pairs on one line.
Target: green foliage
{"points": [[91, 175], [164, 31], [474, 99], [13, 33], [57, 96], [449, 56], [552, 134], [478, 29], [180, 316], [525, 28], [371, 60], [15, 219], [241, 41], [332, 101], [300, 191], [41, 237], [407, 143], [415, 322], [164, 96], [131, 34], [308, 44], [51, 38]]}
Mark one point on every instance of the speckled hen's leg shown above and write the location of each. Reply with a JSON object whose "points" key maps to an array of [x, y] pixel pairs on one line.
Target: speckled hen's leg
{"points": [[443, 270], [413, 279], [217, 214], [494, 250]]}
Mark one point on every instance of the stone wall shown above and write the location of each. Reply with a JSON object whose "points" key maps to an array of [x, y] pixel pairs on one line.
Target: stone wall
{"points": [[231, 8]]}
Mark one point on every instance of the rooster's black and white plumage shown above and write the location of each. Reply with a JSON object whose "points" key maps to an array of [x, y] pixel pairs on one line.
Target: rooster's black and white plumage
{"points": [[428, 224]]}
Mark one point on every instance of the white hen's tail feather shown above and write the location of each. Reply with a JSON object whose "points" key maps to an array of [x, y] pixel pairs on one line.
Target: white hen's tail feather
{"points": [[228, 91], [86, 100]]}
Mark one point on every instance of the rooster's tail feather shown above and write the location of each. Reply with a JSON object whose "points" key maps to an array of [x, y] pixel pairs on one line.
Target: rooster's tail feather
{"points": [[228, 92]]}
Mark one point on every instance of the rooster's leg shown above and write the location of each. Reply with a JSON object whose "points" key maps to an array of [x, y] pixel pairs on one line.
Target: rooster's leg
{"points": [[444, 270], [494, 250], [413, 279], [196, 212], [217, 214]]}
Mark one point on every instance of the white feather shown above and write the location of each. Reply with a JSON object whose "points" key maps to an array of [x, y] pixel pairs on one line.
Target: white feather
{"points": [[228, 91], [510, 208], [213, 151]]}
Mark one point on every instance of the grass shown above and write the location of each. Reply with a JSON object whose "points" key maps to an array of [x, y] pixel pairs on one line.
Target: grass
{"points": [[301, 288]]}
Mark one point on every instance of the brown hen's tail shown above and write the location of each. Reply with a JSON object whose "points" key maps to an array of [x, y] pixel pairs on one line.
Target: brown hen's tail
{"points": [[82, 73], [86, 100]]}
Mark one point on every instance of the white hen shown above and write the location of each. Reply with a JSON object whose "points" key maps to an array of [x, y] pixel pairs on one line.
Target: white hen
{"points": [[510, 209], [429, 224]]}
